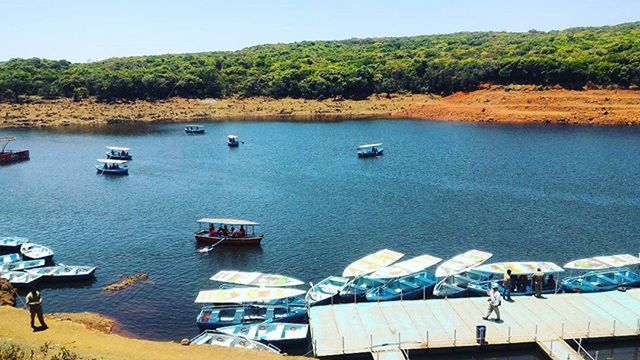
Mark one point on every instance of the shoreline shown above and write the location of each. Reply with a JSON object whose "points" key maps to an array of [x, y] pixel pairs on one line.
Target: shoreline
{"points": [[517, 104]]}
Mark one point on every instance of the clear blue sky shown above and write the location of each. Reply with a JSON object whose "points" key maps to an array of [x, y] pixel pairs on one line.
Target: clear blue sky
{"points": [[98, 29]]}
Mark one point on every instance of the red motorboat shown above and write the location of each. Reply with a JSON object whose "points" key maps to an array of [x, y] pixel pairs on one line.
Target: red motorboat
{"points": [[11, 156], [227, 232]]}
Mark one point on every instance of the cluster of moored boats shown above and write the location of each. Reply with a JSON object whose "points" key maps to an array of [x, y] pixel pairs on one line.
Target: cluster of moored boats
{"points": [[250, 307], [24, 263]]}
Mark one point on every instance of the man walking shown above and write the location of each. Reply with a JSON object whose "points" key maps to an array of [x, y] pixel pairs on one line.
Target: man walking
{"points": [[34, 300], [507, 284], [538, 280], [495, 300]]}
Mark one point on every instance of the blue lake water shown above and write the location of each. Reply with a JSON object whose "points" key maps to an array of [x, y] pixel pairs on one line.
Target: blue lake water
{"points": [[522, 192]]}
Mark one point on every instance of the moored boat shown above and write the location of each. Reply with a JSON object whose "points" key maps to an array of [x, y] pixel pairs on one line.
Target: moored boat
{"points": [[194, 129], [454, 274], [65, 272], [11, 258], [219, 339], [11, 243], [112, 167], [602, 273], [371, 263], [255, 279], [11, 156], [244, 235], [280, 334], [521, 277], [370, 150], [245, 295], [118, 153], [220, 316], [20, 278], [31, 251], [232, 141], [22, 265], [326, 290]]}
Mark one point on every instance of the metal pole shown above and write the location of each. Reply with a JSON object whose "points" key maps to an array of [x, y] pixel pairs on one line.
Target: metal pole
{"points": [[343, 344], [399, 342], [424, 293], [427, 339], [401, 292], [371, 338], [509, 335], [638, 327], [455, 336], [562, 331], [596, 355], [315, 345], [551, 349], [614, 327], [588, 328], [535, 335]]}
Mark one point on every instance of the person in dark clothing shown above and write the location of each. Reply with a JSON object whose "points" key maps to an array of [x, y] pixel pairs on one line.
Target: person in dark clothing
{"points": [[34, 300]]}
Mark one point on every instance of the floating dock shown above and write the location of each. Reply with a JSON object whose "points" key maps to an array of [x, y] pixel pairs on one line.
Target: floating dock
{"points": [[388, 330]]}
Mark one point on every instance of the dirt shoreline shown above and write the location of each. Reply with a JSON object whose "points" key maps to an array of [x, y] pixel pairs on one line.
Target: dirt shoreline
{"points": [[516, 104]]}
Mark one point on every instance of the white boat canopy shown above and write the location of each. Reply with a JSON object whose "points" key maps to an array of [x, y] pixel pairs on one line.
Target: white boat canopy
{"points": [[520, 267], [111, 161], [117, 148], [224, 221], [603, 262], [368, 146], [255, 279], [406, 268], [245, 295], [230, 137], [463, 262], [371, 263]]}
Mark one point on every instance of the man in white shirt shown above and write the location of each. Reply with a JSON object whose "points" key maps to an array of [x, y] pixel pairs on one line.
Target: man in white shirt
{"points": [[495, 300]]}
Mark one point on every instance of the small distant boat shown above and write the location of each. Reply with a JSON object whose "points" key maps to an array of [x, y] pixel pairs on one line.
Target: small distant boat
{"points": [[22, 265], [11, 156], [372, 263], [219, 316], [11, 258], [232, 141], [31, 251], [603, 273], [11, 243], [370, 150], [65, 272], [280, 334], [326, 290], [118, 153], [218, 339], [112, 167], [255, 279], [455, 273], [244, 235], [20, 279], [245, 295], [521, 272], [194, 129]]}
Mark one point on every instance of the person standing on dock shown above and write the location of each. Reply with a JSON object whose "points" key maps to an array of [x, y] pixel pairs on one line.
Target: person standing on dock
{"points": [[34, 300], [495, 300], [538, 280], [507, 284]]}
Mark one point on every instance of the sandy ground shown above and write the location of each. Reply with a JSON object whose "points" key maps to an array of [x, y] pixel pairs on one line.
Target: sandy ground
{"points": [[65, 112], [84, 334], [526, 104]]}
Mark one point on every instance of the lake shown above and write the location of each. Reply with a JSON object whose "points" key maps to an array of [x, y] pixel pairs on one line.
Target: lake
{"points": [[548, 193]]}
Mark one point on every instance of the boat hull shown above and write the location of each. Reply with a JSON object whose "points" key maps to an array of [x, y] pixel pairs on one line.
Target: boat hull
{"points": [[112, 171], [250, 315], [205, 238], [9, 157], [194, 132], [370, 154], [233, 145], [600, 281]]}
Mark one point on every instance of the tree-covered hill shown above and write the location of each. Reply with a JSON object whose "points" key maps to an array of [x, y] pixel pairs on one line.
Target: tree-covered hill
{"points": [[573, 58]]}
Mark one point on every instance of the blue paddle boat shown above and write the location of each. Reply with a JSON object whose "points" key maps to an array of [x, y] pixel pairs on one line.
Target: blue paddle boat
{"points": [[405, 288], [10, 244], [11, 258], [22, 265], [118, 153], [279, 334], [65, 272], [602, 273], [219, 316], [112, 167], [370, 150], [357, 289], [232, 141], [215, 338]]}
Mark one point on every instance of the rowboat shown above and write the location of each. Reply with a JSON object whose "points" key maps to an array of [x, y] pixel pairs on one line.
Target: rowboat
{"points": [[118, 153], [230, 341], [602, 273], [245, 295], [11, 258], [326, 290], [31, 251], [194, 129], [232, 141], [22, 265], [521, 277], [11, 243], [11, 156], [219, 316], [65, 272], [360, 287], [280, 334], [372, 263], [244, 235], [20, 279], [454, 274], [255, 279], [370, 150], [112, 167]]}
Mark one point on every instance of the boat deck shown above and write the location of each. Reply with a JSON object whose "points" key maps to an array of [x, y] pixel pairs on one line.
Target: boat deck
{"points": [[448, 323]]}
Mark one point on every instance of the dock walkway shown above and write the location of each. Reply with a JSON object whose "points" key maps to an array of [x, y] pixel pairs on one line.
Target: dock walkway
{"points": [[449, 323]]}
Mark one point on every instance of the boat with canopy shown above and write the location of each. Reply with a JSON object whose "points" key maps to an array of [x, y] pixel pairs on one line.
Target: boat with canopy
{"points": [[255, 279], [112, 167], [219, 339], [213, 317], [245, 295], [118, 153], [370, 150], [227, 233], [602, 273], [521, 277], [232, 141], [279, 334], [22, 265], [372, 263], [194, 129], [456, 273], [31, 251], [11, 156], [11, 243], [326, 290]]}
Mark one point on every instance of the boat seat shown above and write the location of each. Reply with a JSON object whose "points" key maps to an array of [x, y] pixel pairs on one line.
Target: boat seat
{"points": [[270, 314], [239, 315]]}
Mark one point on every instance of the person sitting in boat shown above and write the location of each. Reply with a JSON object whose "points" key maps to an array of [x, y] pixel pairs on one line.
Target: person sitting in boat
{"points": [[551, 283], [212, 229], [226, 230], [233, 231], [241, 231], [220, 231]]}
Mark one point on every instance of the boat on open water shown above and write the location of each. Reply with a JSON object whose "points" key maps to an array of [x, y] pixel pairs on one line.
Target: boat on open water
{"points": [[20, 278], [194, 129], [602, 273], [63, 272], [22, 265], [279, 334], [370, 150], [31, 251], [225, 340], [232, 141], [521, 277], [238, 232], [454, 274], [11, 156], [112, 167], [118, 153], [11, 243]]}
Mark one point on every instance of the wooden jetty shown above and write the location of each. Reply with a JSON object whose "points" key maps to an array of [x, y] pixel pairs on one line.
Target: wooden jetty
{"points": [[388, 330]]}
